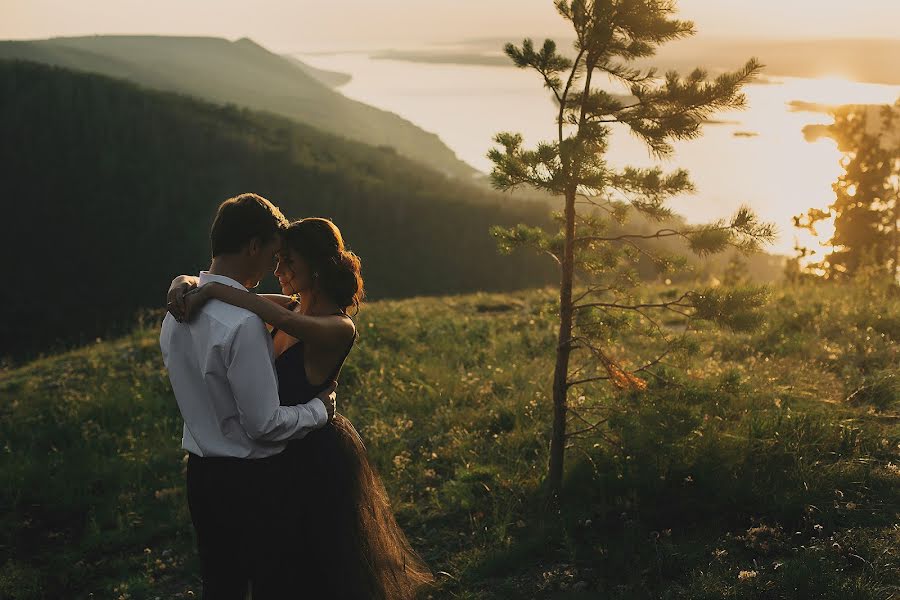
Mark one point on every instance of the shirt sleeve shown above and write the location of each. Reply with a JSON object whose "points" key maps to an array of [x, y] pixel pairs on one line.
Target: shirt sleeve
{"points": [[251, 376]]}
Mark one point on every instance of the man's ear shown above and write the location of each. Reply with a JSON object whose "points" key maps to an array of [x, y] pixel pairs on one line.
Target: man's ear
{"points": [[254, 246]]}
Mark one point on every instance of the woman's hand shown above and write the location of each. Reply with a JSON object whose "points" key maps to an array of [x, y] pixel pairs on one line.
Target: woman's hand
{"points": [[194, 299], [329, 398], [175, 304]]}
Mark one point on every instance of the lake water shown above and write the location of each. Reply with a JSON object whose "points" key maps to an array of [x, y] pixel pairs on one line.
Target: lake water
{"points": [[768, 164]]}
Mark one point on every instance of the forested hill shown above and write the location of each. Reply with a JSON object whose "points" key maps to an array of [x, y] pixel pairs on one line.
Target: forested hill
{"points": [[242, 73], [109, 190]]}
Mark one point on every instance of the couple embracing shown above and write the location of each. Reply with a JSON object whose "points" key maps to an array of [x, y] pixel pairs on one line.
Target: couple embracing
{"points": [[283, 498]]}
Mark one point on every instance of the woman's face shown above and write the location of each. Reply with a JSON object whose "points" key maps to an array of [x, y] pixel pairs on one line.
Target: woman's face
{"points": [[293, 272]]}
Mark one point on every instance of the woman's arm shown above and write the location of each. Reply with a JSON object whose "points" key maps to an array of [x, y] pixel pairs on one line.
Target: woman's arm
{"points": [[327, 332], [279, 299]]}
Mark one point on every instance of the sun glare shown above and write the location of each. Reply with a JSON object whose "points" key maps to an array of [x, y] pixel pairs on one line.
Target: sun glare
{"points": [[837, 89]]}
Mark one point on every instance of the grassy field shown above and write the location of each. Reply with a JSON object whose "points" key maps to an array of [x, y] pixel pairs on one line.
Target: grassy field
{"points": [[764, 465]]}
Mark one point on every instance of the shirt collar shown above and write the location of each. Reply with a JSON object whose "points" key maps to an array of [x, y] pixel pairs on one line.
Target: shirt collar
{"points": [[207, 277]]}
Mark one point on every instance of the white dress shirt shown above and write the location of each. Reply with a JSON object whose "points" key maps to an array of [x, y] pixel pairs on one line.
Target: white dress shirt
{"points": [[223, 375]]}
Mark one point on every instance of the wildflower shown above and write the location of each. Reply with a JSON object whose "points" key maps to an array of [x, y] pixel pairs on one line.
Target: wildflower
{"points": [[402, 460], [745, 575]]}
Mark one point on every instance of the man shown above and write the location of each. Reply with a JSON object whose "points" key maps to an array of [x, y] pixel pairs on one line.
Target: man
{"points": [[222, 372]]}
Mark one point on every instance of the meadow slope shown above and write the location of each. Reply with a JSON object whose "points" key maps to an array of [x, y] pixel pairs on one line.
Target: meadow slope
{"points": [[763, 465]]}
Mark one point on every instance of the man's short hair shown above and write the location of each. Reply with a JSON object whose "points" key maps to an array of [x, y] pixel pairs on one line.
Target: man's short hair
{"points": [[242, 218]]}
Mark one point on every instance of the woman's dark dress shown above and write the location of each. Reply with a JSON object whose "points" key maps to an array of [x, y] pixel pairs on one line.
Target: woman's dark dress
{"points": [[293, 386], [342, 538], [317, 467]]}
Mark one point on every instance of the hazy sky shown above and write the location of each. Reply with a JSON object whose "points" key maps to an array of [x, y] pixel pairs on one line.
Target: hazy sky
{"points": [[295, 25]]}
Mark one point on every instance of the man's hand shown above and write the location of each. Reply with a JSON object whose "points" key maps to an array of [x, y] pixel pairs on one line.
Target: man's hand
{"points": [[328, 398]]}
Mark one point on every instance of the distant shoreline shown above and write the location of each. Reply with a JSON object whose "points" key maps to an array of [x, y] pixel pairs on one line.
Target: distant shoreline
{"points": [[862, 61]]}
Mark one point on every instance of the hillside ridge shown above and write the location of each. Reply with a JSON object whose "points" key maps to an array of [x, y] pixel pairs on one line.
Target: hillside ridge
{"points": [[245, 73]]}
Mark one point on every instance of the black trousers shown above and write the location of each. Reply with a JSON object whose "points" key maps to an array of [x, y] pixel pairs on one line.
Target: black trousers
{"points": [[242, 521]]}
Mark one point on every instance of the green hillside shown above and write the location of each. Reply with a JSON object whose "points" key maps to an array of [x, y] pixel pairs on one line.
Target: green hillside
{"points": [[109, 190], [242, 73], [762, 466]]}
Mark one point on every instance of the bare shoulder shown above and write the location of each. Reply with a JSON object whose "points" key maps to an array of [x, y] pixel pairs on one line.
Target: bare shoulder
{"points": [[344, 328]]}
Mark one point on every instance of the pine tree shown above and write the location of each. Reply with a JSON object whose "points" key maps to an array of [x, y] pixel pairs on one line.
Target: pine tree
{"points": [[866, 209], [599, 290]]}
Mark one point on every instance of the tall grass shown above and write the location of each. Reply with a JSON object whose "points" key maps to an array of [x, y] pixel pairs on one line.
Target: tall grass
{"points": [[761, 465]]}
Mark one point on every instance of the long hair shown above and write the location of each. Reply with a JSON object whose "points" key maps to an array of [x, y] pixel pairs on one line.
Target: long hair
{"points": [[320, 243], [364, 547]]}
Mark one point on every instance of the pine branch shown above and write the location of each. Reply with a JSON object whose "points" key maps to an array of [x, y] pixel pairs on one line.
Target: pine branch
{"points": [[589, 291], [654, 362], [588, 380], [655, 324], [677, 109], [589, 426], [678, 302], [546, 61], [618, 376], [662, 233]]}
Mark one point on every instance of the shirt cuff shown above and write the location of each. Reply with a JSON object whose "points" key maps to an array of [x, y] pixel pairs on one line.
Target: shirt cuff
{"points": [[318, 409]]}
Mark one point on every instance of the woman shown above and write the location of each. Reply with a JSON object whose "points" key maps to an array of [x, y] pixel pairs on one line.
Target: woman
{"points": [[357, 550]]}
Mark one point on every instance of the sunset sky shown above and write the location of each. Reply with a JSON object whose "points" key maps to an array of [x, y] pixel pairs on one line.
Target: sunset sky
{"points": [[297, 25]]}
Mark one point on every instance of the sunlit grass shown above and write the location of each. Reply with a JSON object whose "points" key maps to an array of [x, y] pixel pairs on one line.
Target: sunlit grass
{"points": [[764, 465]]}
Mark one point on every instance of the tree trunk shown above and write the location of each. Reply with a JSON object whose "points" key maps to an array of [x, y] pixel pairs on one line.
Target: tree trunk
{"points": [[563, 350], [896, 237]]}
